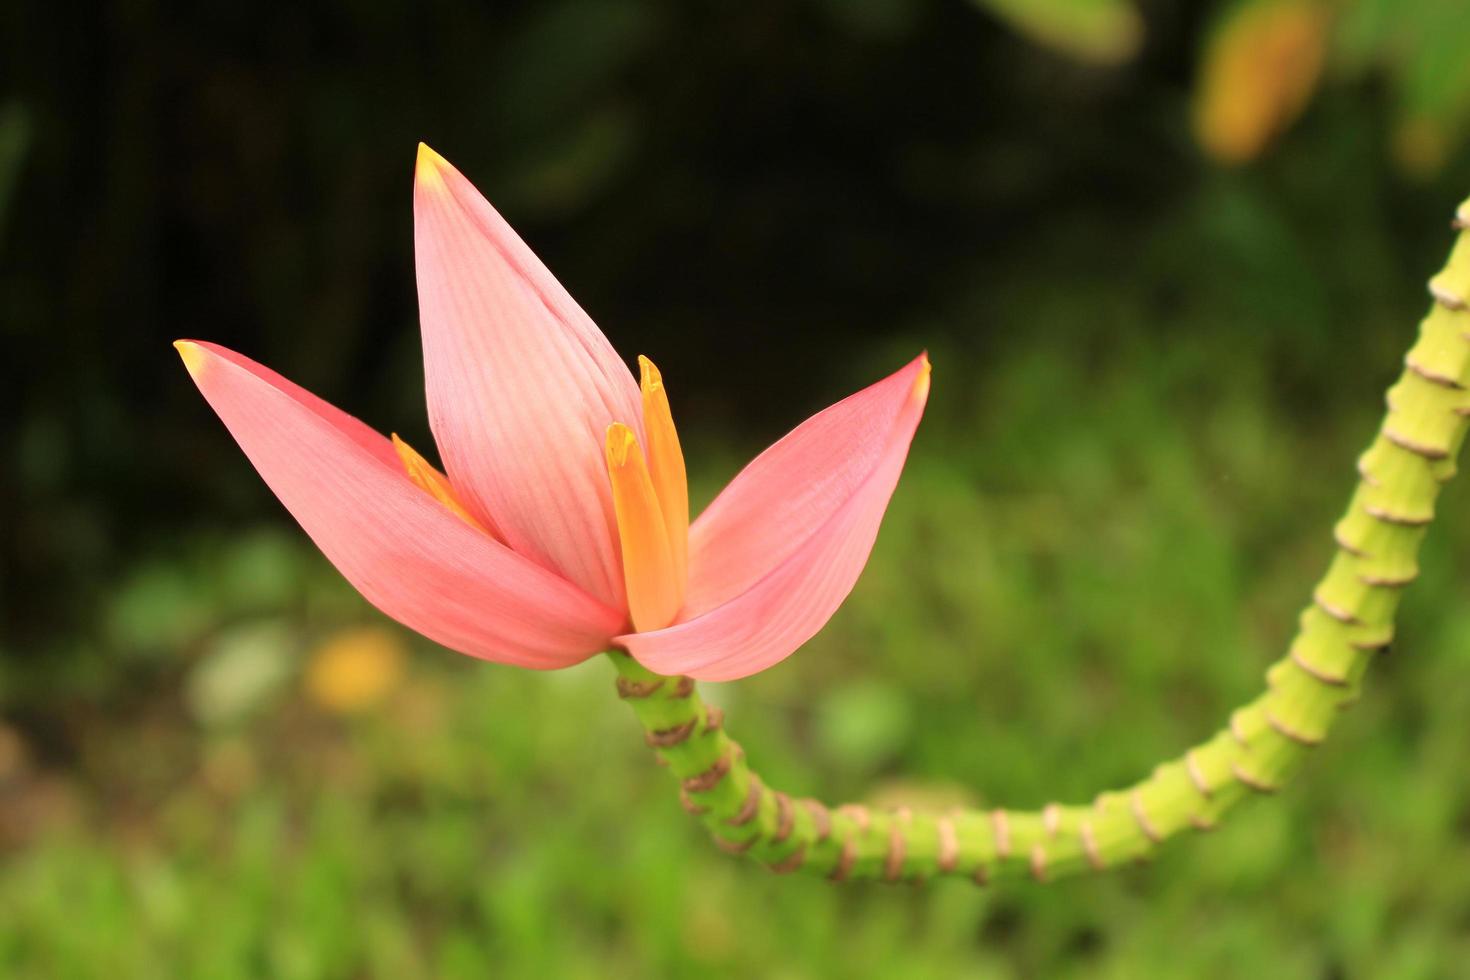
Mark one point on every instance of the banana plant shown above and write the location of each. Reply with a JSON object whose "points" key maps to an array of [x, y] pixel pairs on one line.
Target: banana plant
{"points": [[560, 531]]}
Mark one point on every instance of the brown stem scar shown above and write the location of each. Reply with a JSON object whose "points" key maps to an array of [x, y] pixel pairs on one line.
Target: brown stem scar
{"points": [[1346, 545], [1250, 780], [785, 818], [1388, 581], [1431, 375], [858, 814], [687, 802], [845, 860], [750, 807], [821, 816], [705, 781], [949, 845], [735, 846], [1316, 672], [897, 847], [630, 689], [1286, 731], [714, 718], [683, 687], [1089, 847], [1051, 819], [1236, 732], [1444, 297], [1398, 520], [1336, 612], [790, 862], [1201, 822], [1001, 824], [1433, 453], [1135, 803], [1038, 863], [1197, 775], [666, 737]]}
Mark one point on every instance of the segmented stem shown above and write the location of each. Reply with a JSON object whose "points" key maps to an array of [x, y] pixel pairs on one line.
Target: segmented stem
{"points": [[1349, 620]]}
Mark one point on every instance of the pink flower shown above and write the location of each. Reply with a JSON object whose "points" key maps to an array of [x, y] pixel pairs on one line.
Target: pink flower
{"points": [[562, 527]]}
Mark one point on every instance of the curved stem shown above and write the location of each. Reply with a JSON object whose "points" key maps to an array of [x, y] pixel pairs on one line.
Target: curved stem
{"points": [[1349, 620]]}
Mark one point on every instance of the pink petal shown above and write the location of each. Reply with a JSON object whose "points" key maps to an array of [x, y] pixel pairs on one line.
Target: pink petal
{"points": [[777, 552], [521, 384], [404, 551]]}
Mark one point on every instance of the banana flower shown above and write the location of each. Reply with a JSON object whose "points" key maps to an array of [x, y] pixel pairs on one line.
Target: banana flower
{"points": [[560, 525]]}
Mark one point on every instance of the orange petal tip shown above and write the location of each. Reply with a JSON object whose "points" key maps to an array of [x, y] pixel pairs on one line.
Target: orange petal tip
{"points": [[648, 374], [192, 354]]}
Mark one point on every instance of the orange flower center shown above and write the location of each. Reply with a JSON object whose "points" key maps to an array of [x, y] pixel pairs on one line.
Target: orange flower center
{"points": [[651, 501]]}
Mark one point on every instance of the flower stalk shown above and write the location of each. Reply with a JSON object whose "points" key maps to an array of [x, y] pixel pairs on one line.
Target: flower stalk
{"points": [[1349, 621]]}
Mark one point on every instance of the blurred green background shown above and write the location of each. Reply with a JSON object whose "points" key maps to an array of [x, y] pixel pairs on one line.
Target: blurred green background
{"points": [[1165, 257]]}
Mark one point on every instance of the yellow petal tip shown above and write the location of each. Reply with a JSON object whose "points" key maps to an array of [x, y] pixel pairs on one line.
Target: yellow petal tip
{"points": [[429, 168], [620, 442], [412, 462], [649, 377], [921, 380], [192, 354]]}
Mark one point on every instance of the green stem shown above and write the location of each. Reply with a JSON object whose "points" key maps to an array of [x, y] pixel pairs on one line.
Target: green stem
{"points": [[1350, 619]]}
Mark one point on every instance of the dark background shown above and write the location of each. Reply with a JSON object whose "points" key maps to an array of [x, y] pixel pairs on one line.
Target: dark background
{"points": [[780, 182]]}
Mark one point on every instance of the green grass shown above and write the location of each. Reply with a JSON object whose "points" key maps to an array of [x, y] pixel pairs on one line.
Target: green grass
{"points": [[1094, 553]]}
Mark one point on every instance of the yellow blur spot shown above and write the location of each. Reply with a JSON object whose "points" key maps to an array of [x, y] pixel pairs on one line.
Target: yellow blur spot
{"points": [[1260, 69], [355, 669], [436, 484], [655, 593], [193, 355], [666, 465], [429, 169]]}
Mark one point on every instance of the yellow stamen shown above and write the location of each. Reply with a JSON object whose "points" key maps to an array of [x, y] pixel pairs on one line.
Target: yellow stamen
{"points": [[434, 483], [654, 594], [666, 466]]}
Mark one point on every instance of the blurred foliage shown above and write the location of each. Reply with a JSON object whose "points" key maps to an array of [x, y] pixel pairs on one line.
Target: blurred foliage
{"points": [[1260, 68], [1419, 46], [1263, 59], [1102, 31], [1151, 375], [1088, 562], [15, 132]]}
